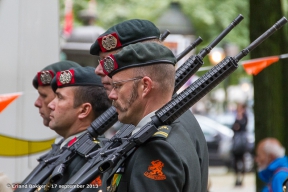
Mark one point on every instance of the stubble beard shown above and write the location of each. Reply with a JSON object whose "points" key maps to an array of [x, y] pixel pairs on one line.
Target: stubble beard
{"points": [[133, 96]]}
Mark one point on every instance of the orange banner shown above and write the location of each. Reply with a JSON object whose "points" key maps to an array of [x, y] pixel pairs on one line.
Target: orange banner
{"points": [[6, 99], [255, 66]]}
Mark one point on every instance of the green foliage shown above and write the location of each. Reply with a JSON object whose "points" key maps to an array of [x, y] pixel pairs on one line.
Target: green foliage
{"points": [[208, 17]]}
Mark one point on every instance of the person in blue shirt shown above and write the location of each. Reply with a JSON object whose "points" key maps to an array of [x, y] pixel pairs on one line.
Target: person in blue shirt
{"points": [[272, 164]]}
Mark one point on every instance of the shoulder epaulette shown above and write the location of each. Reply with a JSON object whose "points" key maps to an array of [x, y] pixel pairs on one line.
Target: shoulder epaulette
{"points": [[163, 131]]}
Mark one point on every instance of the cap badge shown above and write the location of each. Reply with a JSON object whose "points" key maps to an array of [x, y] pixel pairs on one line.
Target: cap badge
{"points": [[45, 77], [65, 77], [109, 42], [109, 64]]}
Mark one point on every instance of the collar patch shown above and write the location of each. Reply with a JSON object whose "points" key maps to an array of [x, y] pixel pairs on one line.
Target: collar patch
{"points": [[45, 77], [109, 64], [109, 42], [72, 141], [154, 171]]}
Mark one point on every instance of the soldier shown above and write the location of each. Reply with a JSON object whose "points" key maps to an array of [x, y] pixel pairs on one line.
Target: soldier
{"points": [[41, 82], [133, 31], [140, 87], [80, 99]]}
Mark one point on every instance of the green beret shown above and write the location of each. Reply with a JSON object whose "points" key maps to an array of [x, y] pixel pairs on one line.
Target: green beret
{"points": [[44, 77], [76, 76], [123, 34], [135, 55]]}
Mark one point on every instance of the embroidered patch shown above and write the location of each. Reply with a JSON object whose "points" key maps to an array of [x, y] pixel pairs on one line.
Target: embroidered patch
{"points": [[45, 77], [109, 42], [65, 77], [163, 131], [155, 171], [97, 182], [109, 64]]}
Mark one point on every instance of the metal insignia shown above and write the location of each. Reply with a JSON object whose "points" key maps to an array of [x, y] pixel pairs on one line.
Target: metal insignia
{"points": [[65, 77], [108, 64], [109, 42], [45, 77]]}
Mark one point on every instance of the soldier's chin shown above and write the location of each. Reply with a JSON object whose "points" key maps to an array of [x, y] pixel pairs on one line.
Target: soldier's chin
{"points": [[46, 122]]}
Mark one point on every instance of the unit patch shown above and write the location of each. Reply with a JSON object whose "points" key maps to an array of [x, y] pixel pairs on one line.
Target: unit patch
{"points": [[155, 171], [97, 181]]}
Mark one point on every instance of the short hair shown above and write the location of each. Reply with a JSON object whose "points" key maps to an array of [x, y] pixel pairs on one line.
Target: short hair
{"points": [[273, 148], [162, 74], [94, 95]]}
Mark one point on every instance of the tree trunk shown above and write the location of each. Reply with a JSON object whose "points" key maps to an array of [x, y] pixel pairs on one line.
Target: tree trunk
{"points": [[270, 85]]}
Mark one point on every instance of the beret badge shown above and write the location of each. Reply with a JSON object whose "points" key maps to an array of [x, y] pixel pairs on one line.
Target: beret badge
{"points": [[45, 77], [109, 42], [65, 77], [109, 64]]}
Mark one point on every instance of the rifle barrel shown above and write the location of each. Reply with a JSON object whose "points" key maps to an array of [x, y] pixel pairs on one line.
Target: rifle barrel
{"points": [[260, 39]]}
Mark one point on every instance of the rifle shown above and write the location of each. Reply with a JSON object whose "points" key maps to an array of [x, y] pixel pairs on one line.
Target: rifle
{"points": [[172, 110], [164, 35], [183, 73], [83, 145]]}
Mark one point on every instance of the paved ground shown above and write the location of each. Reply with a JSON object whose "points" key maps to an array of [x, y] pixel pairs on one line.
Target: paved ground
{"points": [[222, 180]]}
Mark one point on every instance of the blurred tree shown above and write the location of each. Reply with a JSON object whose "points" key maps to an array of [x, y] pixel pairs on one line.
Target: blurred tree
{"points": [[270, 85], [209, 19]]}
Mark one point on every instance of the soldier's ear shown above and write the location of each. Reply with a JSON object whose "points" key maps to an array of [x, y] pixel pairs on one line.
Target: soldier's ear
{"points": [[146, 85], [85, 110]]}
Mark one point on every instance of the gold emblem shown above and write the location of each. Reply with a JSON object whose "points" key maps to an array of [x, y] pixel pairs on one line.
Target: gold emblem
{"points": [[65, 77], [45, 77], [108, 64], [109, 42], [163, 127]]}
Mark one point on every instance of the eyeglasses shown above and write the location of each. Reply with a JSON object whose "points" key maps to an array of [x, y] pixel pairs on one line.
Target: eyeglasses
{"points": [[117, 85]]}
